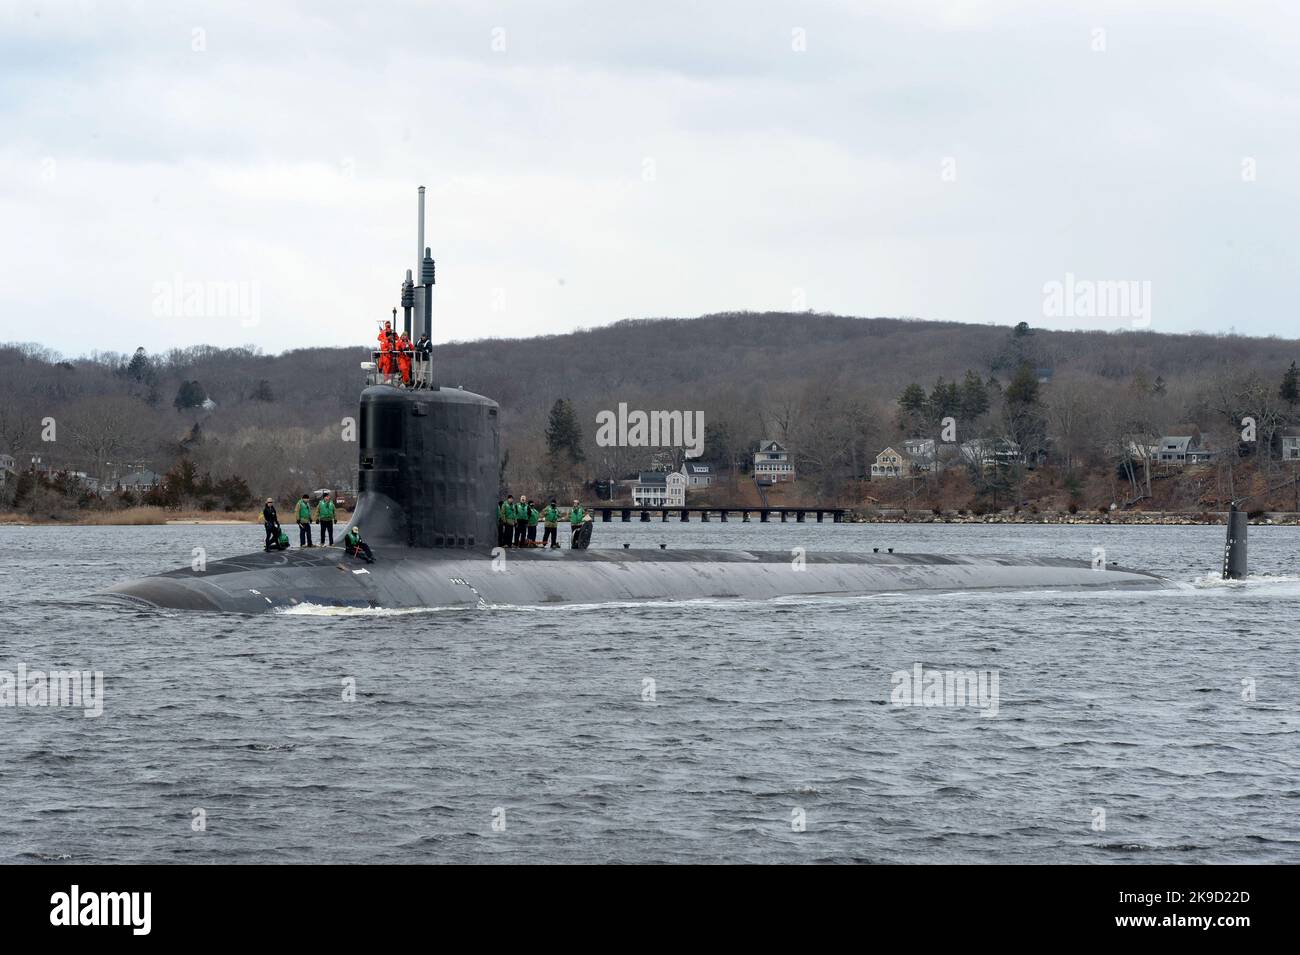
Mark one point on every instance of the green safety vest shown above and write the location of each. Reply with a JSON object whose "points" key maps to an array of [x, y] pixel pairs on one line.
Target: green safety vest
{"points": [[508, 513], [353, 539], [551, 515], [532, 516], [326, 511], [304, 511], [575, 515]]}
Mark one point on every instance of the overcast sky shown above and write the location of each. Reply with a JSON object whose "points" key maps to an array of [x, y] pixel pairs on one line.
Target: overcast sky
{"points": [[589, 162]]}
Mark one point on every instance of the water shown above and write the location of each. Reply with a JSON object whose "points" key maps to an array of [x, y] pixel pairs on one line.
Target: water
{"points": [[1127, 703]]}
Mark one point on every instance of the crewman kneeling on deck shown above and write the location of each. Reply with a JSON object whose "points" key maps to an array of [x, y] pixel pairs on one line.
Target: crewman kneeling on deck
{"points": [[551, 518], [533, 515], [304, 522], [576, 514], [325, 517], [508, 519], [521, 522], [354, 546]]}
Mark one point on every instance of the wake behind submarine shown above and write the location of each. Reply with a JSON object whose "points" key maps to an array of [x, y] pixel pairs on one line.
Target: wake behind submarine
{"points": [[428, 475]]}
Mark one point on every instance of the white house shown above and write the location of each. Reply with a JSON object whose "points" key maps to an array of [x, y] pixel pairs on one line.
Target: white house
{"points": [[892, 463], [985, 453], [698, 475], [772, 463], [660, 489]]}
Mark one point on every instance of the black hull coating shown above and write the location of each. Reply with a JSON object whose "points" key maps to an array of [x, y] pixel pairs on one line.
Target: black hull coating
{"points": [[428, 467], [409, 578]]}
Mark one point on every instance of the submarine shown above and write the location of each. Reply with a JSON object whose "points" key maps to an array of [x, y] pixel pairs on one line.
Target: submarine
{"points": [[428, 476]]}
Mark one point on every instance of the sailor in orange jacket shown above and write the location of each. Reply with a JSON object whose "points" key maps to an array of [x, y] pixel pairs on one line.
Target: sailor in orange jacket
{"points": [[386, 349], [404, 357]]}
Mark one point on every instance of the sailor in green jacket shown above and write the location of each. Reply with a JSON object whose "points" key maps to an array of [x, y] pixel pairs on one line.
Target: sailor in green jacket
{"points": [[508, 519], [325, 517], [354, 546], [533, 515], [304, 522], [551, 518], [520, 521], [576, 514]]}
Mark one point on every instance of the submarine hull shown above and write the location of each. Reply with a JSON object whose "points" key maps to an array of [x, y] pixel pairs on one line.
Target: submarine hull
{"points": [[429, 483], [406, 578]]}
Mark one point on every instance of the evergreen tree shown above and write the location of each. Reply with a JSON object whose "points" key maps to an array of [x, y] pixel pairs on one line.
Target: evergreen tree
{"points": [[912, 400], [945, 400], [1025, 422], [913, 410], [974, 397], [183, 478], [189, 395], [1022, 393], [1290, 390], [139, 367], [563, 435]]}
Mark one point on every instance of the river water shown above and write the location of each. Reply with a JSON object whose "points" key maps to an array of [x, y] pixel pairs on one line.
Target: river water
{"points": [[1136, 727]]}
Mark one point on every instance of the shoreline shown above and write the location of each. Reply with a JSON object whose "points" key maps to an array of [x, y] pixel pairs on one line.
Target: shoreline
{"points": [[1149, 518], [145, 517]]}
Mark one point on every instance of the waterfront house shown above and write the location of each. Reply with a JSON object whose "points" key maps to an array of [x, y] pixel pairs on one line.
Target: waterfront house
{"points": [[772, 463], [1174, 447], [697, 474], [892, 463], [987, 453], [659, 489]]}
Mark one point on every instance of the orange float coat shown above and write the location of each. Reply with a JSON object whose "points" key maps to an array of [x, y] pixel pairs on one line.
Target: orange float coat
{"points": [[404, 357]]}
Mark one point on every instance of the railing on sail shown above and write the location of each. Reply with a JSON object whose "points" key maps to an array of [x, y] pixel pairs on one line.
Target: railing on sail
{"points": [[420, 374]]}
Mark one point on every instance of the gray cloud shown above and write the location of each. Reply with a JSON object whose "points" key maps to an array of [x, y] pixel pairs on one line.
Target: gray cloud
{"points": [[620, 160]]}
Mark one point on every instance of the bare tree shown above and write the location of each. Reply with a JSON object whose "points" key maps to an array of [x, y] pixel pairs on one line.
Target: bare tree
{"points": [[104, 428]]}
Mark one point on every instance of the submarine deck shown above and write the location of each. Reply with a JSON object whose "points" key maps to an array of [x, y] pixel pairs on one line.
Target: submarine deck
{"points": [[324, 556], [405, 577]]}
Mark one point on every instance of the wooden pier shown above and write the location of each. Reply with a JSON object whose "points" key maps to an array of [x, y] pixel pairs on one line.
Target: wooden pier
{"points": [[706, 513]]}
